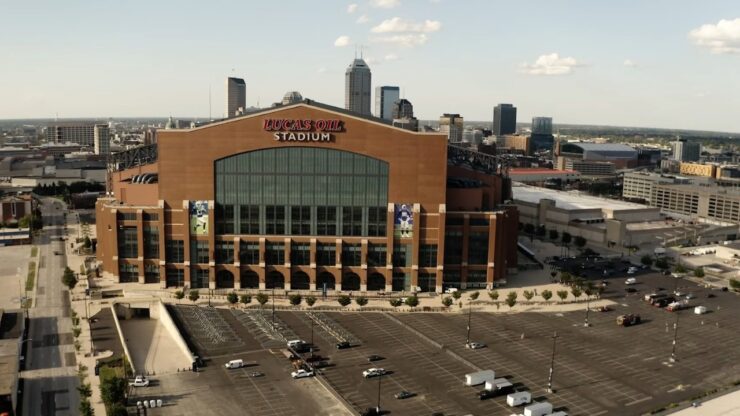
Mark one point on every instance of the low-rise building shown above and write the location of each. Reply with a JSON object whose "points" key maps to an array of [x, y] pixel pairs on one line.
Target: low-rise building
{"points": [[541, 175], [697, 169]]}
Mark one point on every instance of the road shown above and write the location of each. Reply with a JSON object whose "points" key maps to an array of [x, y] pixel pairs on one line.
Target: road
{"points": [[50, 374]]}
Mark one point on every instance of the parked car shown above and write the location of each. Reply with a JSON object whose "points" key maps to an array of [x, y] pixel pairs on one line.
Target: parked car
{"points": [[301, 373], [451, 290], [373, 372], [630, 290], [343, 345], [256, 374], [403, 395], [690, 296], [374, 357], [234, 364], [139, 381], [630, 281], [475, 345], [628, 320]]}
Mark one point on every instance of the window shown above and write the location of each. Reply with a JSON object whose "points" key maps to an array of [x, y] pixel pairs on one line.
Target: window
{"points": [[151, 273], [249, 253], [428, 255], [401, 281], [128, 273], [127, 216], [151, 216], [300, 254], [224, 252], [199, 278], [175, 251], [275, 220], [453, 247], [128, 245], [199, 251], [249, 219], [450, 220], [151, 243], [376, 255], [479, 221], [351, 254], [224, 219], [275, 254], [326, 220], [326, 254], [300, 220], [478, 248], [175, 278], [352, 221], [376, 221], [402, 255], [476, 278]]}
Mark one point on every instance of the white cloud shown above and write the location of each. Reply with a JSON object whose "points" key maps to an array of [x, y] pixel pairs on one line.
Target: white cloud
{"points": [[399, 25], [408, 40], [362, 19], [629, 63], [390, 57], [321, 70], [385, 4], [724, 37], [352, 8], [551, 64], [342, 41]]}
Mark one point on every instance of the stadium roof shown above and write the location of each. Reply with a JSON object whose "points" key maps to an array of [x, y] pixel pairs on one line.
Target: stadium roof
{"points": [[604, 147]]}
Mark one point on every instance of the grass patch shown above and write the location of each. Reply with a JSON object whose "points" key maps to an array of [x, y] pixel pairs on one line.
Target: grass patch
{"points": [[34, 251], [31, 275]]}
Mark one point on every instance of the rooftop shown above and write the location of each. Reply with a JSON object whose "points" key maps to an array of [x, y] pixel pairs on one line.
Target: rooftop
{"points": [[538, 171], [612, 147], [569, 200]]}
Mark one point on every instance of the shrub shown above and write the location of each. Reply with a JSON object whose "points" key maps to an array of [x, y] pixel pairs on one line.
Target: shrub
{"points": [[511, 299], [566, 238], [699, 272], [546, 295], [179, 294], [576, 291], [245, 299], [76, 332], [735, 284], [474, 295], [85, 408], [395, 302], [562, 294], [579, 241], [310, 300], [565, 278], [456, 295], [85, 390], [662, 263], [69, 279], [361, 301], [554, 235], [344, 300], [528, 294], [232, 298], [295, 299], [194, 295], [647, 260], [412, 301], [447, 301], [262, 298], [493, 295], [113, 393], [679, 269]]}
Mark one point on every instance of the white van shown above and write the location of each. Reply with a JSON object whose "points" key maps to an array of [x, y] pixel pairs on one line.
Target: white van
{"points": [[295, 343], [519, 398], [234, 364]]}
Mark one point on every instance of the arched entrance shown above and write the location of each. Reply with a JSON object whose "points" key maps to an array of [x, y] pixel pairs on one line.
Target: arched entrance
{"points": [[376, 281], [224, 279], [275, 280], [325, 277], [299, 281], [250, 279], [350, 281]]}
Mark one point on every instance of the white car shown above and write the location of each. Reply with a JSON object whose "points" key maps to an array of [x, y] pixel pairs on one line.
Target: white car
{"points": [[475, 345], [631, 270], [139, 381], [301, 373], [451, 290], [373, 372], [630, 281]]}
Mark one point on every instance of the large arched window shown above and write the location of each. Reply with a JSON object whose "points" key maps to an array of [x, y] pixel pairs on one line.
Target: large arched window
{"points": [[301, 191]]}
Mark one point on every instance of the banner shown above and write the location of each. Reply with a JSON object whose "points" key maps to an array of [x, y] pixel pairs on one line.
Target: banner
{"points": [[403, 220], [198, 217]]}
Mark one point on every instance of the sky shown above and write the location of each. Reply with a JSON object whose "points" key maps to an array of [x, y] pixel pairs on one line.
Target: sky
{"points": [[651, 63]]}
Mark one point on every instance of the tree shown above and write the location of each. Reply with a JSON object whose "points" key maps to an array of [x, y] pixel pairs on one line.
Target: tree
{"points": [[310, 300], [85, 390], [113, 392], [565, 278], [529, 229], [232, 298], [194, 295], [361, 301], [395, 302], [493, 295], [735, 285], [511, 299], [117, 409], [528, 295], [562, 294], [566, 238], [69, 279], [554, 235], [262, 298], [541, 231], [546, 295], [679, 268], [295, 299], [85, 408], [412, 301], [179, 294], [25, 222], [344, 300], [699, 272], [579, 241], [576, 291], [447, 301], [87, 243], [647, 260], [662, 263], [456, 294], [245, 299], [474, 295]]}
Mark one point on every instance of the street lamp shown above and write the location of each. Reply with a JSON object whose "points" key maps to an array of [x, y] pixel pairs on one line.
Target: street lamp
{"points": [[273, 305], [470, 317], [380, 377], [588, 308], [552, 364]]}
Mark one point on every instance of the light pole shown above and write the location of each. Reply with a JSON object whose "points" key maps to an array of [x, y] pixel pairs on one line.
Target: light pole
{"points": [[470, 317], [588, 308], [311, 338], [552, 364], [273, 306], [380, 377]]}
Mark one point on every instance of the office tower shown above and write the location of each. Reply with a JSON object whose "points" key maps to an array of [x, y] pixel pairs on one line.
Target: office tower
{"points": [[504, 119], [541, 125], [101, 139], [452, 125], [292, 97], [685, 151], [402, 109], [236, 96], [541, 138], [357, 87], [71, 132], [385, 97]]}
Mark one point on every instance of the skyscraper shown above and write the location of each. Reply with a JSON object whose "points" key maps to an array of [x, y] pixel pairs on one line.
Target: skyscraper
{"points": [[357, 87], [541, 138], [541, 125], [236, 96], [504, 119], [101, 139], [402, 113], [452, 125], [686, 151], [385, 96]]}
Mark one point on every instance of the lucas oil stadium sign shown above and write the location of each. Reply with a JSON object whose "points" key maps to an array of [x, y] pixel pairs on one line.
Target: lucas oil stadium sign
{"points": [[303, 130]]}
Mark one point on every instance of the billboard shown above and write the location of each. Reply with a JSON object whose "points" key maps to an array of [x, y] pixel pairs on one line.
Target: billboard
{"points": [[198, 217], [403, 220]]}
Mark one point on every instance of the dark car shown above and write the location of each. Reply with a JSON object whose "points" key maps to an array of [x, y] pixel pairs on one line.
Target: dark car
{"points": [[343, 345], [503, 391], [374, 357], [630, 290], [403, 395], [666, 273], [663, 302]]}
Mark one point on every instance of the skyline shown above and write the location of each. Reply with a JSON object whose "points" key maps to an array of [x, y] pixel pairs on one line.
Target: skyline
{"points": [[635, 68]]}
